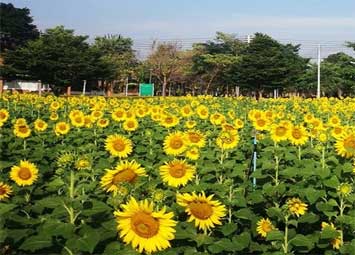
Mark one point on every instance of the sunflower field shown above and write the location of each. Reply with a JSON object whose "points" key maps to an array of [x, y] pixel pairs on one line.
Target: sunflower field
{"points": [[176, 175]]}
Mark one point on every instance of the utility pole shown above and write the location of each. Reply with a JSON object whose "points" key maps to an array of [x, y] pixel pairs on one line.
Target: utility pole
{"points": [[84, 87], [318, 73]]}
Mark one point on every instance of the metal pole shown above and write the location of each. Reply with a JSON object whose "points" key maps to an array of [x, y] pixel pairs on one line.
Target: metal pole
{"points": [[150, 76], [318, 73], [254, 159], [84, 87]]}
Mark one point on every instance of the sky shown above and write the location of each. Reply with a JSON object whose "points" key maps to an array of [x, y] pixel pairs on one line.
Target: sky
{"points": [[306, 22], [301, 19]]}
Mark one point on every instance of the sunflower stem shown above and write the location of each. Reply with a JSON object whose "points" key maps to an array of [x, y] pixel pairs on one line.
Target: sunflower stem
{"points": [[230, 206], [299, 152], [71, 184], [277, 170], [24, 144], [323, 157], [68, 250], [341, 212], [285, 245]]}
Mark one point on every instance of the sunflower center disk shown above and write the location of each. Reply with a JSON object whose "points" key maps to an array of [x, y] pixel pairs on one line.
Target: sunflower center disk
{"points": [[176, 144], [23, 129], [130, 124], [194, 138], [24, 173], [296, 134], [281, 131], [267, 227], [349, 143], [177, 171], [144, 225], [201, 210], [2, 191], [127, 175], [119, 145]]}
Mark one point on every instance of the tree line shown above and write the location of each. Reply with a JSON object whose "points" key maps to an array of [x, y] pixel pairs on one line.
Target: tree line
{"points": [[224, 65]]}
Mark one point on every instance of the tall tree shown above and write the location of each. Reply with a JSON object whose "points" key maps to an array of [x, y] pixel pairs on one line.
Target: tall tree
{"points": [[267, 64], [58, 58], [164, 62], [119, 55], [16, 27]]}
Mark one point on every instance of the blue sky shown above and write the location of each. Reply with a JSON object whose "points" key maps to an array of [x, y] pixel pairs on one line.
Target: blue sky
{"points": [[146, 19]]}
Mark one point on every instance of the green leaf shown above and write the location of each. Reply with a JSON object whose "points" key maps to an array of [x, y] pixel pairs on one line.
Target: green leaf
{"points": [[308, 218], [329, 233], [112, 248], [332, 182], [3, 235], [4, 208], [275, 235], [35, 243], [241, 242], [228, 228], [302, 241], [57, 228], [244, 213], [97, 207], [87, 240], [202, 239]]}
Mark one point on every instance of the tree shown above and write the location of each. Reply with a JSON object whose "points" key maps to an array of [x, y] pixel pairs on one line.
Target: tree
{"points": [[119, 55], [164, 62], [214, 60], [58, 58], [16, 27], [267, 64]]}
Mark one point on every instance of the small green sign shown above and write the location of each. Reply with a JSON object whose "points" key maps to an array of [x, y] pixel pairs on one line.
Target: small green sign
{"points": [[146, 89]]}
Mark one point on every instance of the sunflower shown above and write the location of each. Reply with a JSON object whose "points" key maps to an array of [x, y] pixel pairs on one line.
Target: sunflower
{"points": [[264, 226], [227, 140], [337, 131], [296, 206], [82, 163], [196, 138], [177, 172], [96, 114], [22, 130], [261, 123], [193, 153], [24, 174], [53, 116], [118, 146], [125, 171], [298, 135], [4, 115], [5, 191], [61, 128], [40, 125], [190, 124], [345, 189], [130, 124], [202, 112], [118, 115], [175, 143], [145, 229], [238, 123], [336, 243], [77, 120], [102, 123], [279, 133], [186, 111], [203, 210], [345, 145], [169, 121], [217, 119]]}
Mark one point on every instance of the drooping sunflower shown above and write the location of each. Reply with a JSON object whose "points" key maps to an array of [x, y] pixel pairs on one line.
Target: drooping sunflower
{"points": [[296, 206], [177, 172], [345, 145], [298, 135], [145, 229], [227, 140], [25, 174], [264, 226], [61, 128], [22, 130], [40, 125], [196, 138], [175, 143], [118, 146], [125, 171], [5, 191], [203, 210], [130, 124]]}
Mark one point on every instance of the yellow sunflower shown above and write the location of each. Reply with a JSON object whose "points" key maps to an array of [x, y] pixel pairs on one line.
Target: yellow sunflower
{"points": [[227, 140], [61, 128], [345, 145], [202, 112], [125, 171], [77, 120], [4, 115], [145, 229], [177, 172], [296, 206], [193, 153], [53, 116], [5, 191], [279, 132], [190, 124], [203, 210], [175, 143], [22, 130], [40, 125], [82, 163], [196, 138], [130, 124], [118, 115], [118, 146], [186, 111], [261, 123], [102, 123], [24, 174], [298, 135], [264, 226], [169, 121]]}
